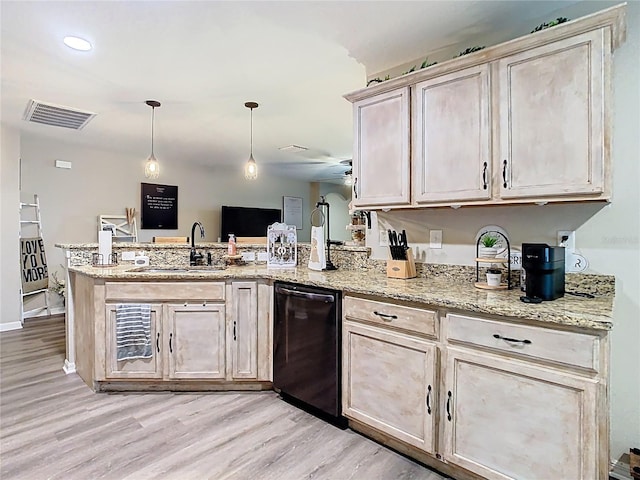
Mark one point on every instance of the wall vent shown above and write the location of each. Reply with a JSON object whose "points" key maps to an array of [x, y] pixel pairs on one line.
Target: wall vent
{"points": [[56, 115]]}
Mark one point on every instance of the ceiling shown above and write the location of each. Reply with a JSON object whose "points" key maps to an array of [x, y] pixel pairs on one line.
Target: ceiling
{"points": [[204, 59]]}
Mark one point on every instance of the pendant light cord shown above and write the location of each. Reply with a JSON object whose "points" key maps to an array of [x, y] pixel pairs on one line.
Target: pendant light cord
{"points": [[252, 132], [153, 121]]}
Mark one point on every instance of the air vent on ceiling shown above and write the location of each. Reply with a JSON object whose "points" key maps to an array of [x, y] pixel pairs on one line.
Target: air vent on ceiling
{"points": [[293, 148], [56, 115]]}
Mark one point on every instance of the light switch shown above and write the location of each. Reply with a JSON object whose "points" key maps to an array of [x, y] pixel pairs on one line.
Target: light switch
{"points": [[435, 239]]}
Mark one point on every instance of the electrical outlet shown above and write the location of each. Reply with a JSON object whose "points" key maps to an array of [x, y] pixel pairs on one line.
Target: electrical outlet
{"points": [[384, 238], [435, 239], [126, 255], [570, 243], [262, 256], [249, 256]]}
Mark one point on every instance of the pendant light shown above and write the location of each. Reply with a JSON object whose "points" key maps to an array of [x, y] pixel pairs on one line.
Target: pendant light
{"points": [[152, 168], [251, 169]]}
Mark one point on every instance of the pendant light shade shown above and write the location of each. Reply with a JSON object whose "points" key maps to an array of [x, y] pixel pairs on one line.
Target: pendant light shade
{"points": [[152, 167], [250, 168]]}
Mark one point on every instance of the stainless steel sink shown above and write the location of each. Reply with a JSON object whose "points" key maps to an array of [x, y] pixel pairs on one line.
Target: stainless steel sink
{"points": [[168, 270]]}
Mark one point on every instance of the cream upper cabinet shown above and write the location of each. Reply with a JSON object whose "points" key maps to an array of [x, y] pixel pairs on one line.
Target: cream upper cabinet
{"points": [[504, 419], [389, 383], [525, 121], [452, 137], [195, 339], [552, 109], [382, 149]]}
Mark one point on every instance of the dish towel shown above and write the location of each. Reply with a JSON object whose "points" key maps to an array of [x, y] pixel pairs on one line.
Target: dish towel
{"points": [[133, 331], [317, 258]]}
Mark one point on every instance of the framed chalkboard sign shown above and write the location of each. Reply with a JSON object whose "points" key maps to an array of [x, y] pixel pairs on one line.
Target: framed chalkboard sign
{"points": [[159, 206]]}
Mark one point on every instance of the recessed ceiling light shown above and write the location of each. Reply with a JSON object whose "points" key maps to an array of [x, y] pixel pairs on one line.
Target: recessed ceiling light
{"points": [[77, 43]]}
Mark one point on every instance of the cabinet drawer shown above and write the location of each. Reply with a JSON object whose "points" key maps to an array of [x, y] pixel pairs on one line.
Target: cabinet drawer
{"points": [[576, 349], [165, 291], [415, 320]]}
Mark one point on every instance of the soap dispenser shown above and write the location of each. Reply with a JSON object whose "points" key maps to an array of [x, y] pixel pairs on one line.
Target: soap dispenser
{"points": [[232, 249]]}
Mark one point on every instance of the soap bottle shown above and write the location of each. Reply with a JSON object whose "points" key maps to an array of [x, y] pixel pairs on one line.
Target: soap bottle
{"points": [[232, 244]]}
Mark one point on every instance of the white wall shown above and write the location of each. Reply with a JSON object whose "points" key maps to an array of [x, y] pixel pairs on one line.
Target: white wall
{"points": [[608, 235], [9, 218], [102, 182]]}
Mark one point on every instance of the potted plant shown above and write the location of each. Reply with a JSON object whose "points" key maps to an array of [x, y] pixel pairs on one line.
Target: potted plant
{"points": [[57, 286], [494, 277], [488, 248]]}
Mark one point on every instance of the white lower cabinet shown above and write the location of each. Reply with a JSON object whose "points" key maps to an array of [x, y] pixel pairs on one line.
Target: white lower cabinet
{"points": [[483, 398], [389, 383], [144, 368], [389, 369], [504, 419], [196, 341], [188, 342], [227, 336]]}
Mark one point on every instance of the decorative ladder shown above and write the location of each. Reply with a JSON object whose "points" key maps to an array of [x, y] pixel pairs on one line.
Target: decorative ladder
{"points": [[30, 210]]}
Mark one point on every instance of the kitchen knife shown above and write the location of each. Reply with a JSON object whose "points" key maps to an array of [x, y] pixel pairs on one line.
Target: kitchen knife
{"points": [[404, 244]]}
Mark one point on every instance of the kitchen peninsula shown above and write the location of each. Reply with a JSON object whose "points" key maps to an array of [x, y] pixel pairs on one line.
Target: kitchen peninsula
{"points": [[541, 370]]}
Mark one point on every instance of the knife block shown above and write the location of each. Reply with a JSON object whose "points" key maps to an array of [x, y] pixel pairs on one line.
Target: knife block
{"points": [[402, 268]]}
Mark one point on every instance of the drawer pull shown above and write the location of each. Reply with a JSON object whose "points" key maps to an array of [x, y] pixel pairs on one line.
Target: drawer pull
{"points": [[386, 317], [170, 338], [158, 342], [449, 405], [514, 340], [428, 400]]}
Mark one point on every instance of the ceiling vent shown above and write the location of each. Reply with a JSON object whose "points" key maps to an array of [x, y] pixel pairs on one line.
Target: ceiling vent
{"points": [[293, 149], [56, 115]]}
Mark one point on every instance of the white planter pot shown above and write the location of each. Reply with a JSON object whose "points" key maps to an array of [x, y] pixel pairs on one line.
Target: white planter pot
{"points": [[493, 279], [487, 252]]}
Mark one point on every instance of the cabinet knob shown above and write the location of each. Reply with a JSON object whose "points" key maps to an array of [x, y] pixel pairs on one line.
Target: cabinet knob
{"points": [[170, 346], [355, 190], [158, 342], [429, 399], [449, 405]]}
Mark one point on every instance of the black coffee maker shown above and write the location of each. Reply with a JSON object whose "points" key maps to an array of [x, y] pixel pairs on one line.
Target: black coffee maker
{"points": [[544, 268]]}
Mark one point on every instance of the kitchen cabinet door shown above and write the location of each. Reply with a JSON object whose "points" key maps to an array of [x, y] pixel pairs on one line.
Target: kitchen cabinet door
{"points": [[244, 330], [195, 339], [452, 137], [552, 113], [381, 155], [504, 419], [142, 368], [388, 383]]}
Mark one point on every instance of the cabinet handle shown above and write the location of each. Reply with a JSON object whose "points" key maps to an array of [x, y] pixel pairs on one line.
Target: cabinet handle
{"points": [[355, 190], [158, 342], [385, 317], [170, 346], [449, 405], [484, 176], [234, 329], [504, 173], [514, 340], [428, 399]]}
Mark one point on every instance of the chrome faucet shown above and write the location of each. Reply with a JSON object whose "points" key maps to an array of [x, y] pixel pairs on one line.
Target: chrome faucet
{"points": [[194, 256]]}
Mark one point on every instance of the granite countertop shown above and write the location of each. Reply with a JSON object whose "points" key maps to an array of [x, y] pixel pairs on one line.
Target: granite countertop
{"points": [[596, 313]]}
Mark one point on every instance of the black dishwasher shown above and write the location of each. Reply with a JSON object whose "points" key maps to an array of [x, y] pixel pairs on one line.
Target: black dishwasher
{"points": [[306, 348]]}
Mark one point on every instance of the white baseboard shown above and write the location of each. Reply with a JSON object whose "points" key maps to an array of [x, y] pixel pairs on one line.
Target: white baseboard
{"points": [[5, 327], [43, 313], [69, 367]]}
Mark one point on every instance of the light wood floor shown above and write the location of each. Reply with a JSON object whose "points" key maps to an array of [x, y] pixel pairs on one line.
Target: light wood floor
{"points": [[52, 426]]}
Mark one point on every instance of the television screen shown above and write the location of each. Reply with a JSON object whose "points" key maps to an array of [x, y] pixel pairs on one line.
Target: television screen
{"points": [[247, 221]]}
